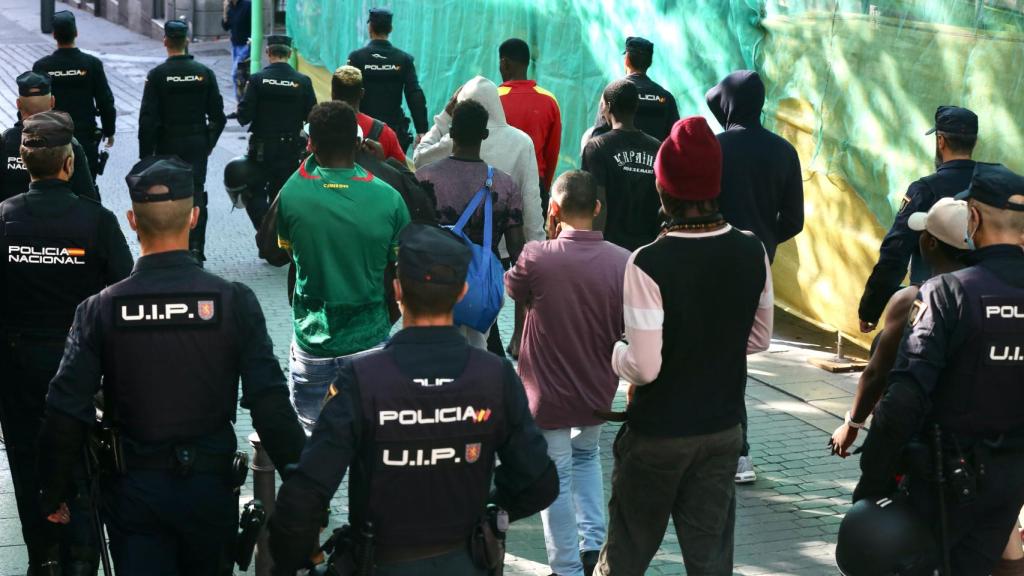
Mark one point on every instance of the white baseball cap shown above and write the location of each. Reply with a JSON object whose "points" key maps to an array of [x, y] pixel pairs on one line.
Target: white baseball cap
{"points": [[947, 221]]}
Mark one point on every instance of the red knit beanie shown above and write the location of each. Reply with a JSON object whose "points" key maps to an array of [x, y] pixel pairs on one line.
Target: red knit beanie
{"points": [[689, 163]]}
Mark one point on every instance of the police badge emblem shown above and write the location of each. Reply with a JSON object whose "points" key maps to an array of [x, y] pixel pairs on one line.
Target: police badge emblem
{"points": [[472, 452], [206, 309]]}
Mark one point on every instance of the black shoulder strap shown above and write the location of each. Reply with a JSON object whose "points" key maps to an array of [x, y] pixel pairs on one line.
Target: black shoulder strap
{"points": [[376, 130]]}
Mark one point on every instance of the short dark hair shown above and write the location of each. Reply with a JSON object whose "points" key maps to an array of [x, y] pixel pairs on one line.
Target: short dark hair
{"points": [[676, 208], [960, 143], [44, 162], [576, 193], [622, 98], [380, 27], [332, 128], [640, 61], [65, 34], [951, 253], [515, 50], [176, 44], [469, 122], [279, 51], [428, 299]]}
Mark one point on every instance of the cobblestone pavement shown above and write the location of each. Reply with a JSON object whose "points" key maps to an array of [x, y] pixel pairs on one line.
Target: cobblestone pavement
{"points": [[787, 520]]}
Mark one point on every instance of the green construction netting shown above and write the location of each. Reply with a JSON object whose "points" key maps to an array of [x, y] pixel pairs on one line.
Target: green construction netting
{"points": [[853, 84]]}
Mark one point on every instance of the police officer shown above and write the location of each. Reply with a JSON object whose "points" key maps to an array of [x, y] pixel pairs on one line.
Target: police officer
{"points": [[182, 113], [80, 88], [168, 345], [33, 97], [387, 73], [58, 249], [657, 111], [961, 367], [420, 424], [956, 132], [276, 103]]}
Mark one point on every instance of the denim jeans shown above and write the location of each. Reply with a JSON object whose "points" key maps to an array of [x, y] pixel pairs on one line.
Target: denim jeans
{"points": [[575, 520], [311, 376], [238, 53]]}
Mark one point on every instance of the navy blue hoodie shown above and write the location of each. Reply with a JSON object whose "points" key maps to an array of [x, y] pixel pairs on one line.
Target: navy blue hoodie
{"points": [[762, 185]]}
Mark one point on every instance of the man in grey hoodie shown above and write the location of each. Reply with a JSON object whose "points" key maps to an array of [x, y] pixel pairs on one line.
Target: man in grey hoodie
{"points": [[762, 184]]}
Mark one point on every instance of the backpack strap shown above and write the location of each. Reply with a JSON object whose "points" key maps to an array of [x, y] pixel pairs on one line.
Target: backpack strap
{"points": [[376, 129], [481, 195]]}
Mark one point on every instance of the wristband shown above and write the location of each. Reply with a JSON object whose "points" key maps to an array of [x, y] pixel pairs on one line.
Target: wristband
{"points": [[851, 423]]}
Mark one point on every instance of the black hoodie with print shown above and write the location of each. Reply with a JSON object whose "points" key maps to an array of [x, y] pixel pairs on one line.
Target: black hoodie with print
{"points": [[762, 186]]}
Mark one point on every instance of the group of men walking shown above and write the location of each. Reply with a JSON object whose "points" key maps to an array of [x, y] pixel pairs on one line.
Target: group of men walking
{"points": [[424, 420]]}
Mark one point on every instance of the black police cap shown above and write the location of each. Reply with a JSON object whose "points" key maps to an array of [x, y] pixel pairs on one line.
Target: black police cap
{"points": [[994, 184], [167, 171], [279, 40], [176, 29], [432, 255], [64, 21], [32, 84], [955, 120], [48, 129], [381, 16], [639, 45]]}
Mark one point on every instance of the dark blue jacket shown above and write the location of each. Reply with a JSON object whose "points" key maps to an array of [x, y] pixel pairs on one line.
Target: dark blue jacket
{"points": [[239, 22]]}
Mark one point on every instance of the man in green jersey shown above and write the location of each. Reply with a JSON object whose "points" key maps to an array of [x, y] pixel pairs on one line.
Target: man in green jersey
{"points": [[341, 225]]}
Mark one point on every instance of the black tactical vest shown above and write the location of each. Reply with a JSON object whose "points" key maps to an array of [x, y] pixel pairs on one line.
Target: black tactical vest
{"points": [[431, 447], [15, 175], [170, 347], [51, 264], [981, 392]]}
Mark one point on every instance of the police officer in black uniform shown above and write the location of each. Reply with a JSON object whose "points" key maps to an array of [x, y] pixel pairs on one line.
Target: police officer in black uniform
{"points": [[956, 132], [169, 345], [182, 114], [276, 103], [420, 424], [58, 249], [657, 111], [33, 97], [80, 88], [961, 367], [387, 74]]}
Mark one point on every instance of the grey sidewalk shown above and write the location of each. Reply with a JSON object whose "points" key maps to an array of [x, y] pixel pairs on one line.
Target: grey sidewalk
{"points": [[786, 521]]}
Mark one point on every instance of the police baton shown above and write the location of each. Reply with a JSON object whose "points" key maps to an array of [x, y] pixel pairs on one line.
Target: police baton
{"points": [[94, 498]]}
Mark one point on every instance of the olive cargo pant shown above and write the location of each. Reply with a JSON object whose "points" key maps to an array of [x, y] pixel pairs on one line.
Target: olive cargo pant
{"points": [[688, 478]]}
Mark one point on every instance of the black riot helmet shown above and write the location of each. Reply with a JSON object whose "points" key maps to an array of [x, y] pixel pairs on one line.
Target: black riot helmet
{"points": [[885, 538], [239, 175]]}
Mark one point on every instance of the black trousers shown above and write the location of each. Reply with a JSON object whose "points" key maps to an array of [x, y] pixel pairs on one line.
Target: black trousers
{"points": [[194, 149], [277, 161], [90, 141], [978, 529], [29, 364]]}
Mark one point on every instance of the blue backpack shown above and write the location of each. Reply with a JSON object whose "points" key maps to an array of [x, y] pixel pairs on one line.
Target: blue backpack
{"points": [[486, 294]]}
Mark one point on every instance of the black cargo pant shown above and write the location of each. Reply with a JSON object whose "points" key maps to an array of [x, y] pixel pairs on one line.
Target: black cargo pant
{"points": [[278, 159], [977, 529], [195, 150], [29, 363], [689, 479]]}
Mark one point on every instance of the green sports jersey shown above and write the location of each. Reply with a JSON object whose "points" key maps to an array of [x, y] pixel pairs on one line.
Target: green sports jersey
{"points": [[341, 226]]}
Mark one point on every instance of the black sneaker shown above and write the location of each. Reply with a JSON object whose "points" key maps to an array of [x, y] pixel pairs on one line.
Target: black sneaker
{"points": [[589, 559]]}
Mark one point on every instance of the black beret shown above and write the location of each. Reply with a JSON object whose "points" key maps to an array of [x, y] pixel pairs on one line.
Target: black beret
{"points": [[48, 129], [279, 40], [169, 171], [381, 16], [639, 45], [64, 21], [955, 120], [32, 84], [176, 29], [432, 255], [994, 184]]}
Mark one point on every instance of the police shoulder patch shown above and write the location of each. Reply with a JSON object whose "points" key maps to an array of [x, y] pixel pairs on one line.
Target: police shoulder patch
{"points": [[167, 310], [904, 203], [917, 310]]}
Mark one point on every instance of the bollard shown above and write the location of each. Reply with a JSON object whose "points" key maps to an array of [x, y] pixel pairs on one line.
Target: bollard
{"points": [[264, 487], [46, 9]]}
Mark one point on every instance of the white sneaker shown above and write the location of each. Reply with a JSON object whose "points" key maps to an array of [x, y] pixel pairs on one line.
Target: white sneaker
{"points": [[745, 471]]}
